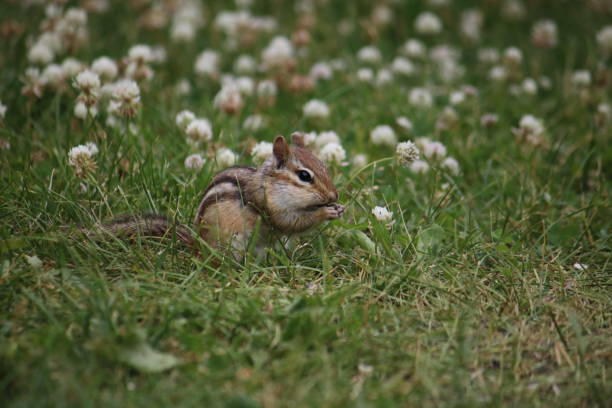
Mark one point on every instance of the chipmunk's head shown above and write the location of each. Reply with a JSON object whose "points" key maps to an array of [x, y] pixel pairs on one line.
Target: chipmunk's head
{"points": [[299, 191]]}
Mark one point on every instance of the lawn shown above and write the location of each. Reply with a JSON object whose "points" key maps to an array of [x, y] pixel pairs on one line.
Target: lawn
{"points": [[469, 142]]}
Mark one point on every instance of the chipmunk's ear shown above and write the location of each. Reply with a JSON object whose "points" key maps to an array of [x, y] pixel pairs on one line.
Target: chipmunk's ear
{"points": [[297, 138], [281, 151]]}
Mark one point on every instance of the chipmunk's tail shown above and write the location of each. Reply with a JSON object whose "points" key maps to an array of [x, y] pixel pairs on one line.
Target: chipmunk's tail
{"points": [[146, 225]]}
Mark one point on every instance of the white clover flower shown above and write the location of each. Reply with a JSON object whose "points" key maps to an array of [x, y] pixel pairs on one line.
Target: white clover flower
{"points": [[53, 11], [321, 70], [414, 48], [112, 121], [159, 54], [545, 82], [93, 148], [515, 90], [40, 54], [105, 67], [325, 138], [427, 23], [420, 97], [513, 57], [457, 97], [189, 11], [87, 81], [421, 142], [2, 110], [470, 90], [529, 86], [448, 119], [382, 15], [182, 87], [383, 76], [199, 130], [245, 65], [369, 54], [194, 162], [261, 151], [438, 3], [471, 24], [310, 138], [604, 39], [244, 4], [227, 21], [449, 70], [581, 266], [403, 66], [107, 90], [530, 125], [53, 40], [267, 89], [76, 16], [406, 153], [531, 130], [126, 95], [81, 110], [360, 160], [228, 99], [581, 78], [138, 71], [245, 85], [382, 214], [604, 112], [514, 10], [277, 53], [34, 261], [419, 167], [338, 64], [404, 123], [450, 164], [434, 150], [33, 83], [488, 55], [254, 122], [316, 109], [225, 157], [207, 63], [81, 158], [182, 31], [383, 135], [489, 119], [544, 34], [365, 74], [184, 118], [141, 54], [53, 74], [76, 152], [444, 53], [72, 67], [126, 90], [333, 153], [498, 73]]}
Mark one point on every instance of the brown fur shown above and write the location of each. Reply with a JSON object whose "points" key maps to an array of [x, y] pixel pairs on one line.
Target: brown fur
{"points": [[240, 198]]}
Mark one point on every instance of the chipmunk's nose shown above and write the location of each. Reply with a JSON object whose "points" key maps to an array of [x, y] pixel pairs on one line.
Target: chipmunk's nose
{"points": [[333, 196]]}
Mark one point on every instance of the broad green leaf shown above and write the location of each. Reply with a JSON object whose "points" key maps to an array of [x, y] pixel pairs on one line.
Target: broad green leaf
{"points": [[146, 359], [429, 238], [11, 244]]}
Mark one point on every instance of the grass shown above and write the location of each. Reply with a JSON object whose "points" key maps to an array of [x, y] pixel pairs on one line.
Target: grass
{"points": [[470, 297]]}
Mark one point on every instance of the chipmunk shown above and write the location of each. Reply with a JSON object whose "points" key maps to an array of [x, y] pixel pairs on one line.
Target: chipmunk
{"points": [[289, 193]]}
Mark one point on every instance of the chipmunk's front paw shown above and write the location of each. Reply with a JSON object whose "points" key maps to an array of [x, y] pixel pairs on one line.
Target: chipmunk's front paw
{"points": [[334, 211]]}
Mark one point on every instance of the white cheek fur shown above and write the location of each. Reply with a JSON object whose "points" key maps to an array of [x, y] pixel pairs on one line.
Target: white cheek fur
{"points": [[292, 197]]}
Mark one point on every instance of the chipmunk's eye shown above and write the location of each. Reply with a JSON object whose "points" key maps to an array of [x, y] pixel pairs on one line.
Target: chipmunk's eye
{"points": [[304, 176]]}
